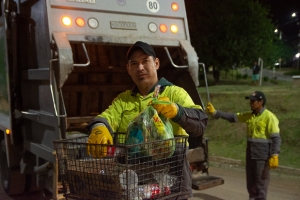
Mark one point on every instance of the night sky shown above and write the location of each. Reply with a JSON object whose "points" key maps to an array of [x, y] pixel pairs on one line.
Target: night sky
{"points": [[282, 16]]}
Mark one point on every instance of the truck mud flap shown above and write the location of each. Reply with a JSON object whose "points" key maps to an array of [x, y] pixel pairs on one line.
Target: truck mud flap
{"points": [[202, 183]]}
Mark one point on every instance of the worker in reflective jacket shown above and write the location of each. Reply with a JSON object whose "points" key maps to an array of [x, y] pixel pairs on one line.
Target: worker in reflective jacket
{"points": [[186, 117], [263, 145]]}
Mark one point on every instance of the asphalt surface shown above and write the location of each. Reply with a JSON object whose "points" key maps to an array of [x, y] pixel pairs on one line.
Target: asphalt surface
{"points": [[281, 187]]}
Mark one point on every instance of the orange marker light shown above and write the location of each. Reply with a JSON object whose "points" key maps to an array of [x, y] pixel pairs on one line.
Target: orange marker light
{"points": [[163, 28], [175, 6], [7, 131], [66, 21], [80, 22], [174, 28]]}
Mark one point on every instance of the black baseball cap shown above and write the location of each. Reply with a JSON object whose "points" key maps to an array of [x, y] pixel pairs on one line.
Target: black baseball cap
{"points": [[257, 95], [142, 46]]}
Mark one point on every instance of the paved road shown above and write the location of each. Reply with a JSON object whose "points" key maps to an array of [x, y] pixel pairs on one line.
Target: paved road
{"points": [[269, 73], [282, 187]]}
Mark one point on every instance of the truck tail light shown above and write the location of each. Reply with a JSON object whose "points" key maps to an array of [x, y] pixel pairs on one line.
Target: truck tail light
{"points": [[174, 28], [66, 21], [175, 6], [80, 22], [163, 28]]}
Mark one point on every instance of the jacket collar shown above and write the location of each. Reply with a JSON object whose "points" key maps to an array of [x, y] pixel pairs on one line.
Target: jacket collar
{"points": [[261, 111], [162, 82]]}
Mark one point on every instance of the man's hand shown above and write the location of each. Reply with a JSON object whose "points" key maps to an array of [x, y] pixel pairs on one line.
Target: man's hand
{"points": [[273, 162], [99, 135], [210, 108], [168, 109]]}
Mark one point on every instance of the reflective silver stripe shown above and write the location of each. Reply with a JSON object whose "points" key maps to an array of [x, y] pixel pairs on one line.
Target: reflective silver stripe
{"points": [[97, 124], [259, 140], [274, 135], [236, 119]]}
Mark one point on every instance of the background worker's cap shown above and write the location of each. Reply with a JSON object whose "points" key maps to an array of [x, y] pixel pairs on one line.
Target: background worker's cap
{"points": [[142, 46], [257, 95]]}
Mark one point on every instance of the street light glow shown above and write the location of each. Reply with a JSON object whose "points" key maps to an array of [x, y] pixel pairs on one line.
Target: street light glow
{"points": [[297, 55], [276, 30], [294, 15]]}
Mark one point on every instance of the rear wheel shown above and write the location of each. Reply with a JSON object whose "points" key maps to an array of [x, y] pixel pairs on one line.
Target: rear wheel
{"points": [[12, 180]]}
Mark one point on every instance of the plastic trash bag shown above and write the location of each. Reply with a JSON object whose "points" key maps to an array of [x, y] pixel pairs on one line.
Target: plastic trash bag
{"points": [[150, 128]]}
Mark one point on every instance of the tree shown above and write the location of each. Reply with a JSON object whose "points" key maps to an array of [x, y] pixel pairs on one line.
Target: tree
{"points": [[282, 51], [233, 31]]}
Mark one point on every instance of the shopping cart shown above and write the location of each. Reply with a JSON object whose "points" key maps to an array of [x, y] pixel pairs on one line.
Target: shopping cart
{"points": [[150, 170]]}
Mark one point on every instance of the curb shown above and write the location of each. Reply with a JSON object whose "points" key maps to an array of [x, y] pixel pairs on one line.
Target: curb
{"points": [[229, 162]]}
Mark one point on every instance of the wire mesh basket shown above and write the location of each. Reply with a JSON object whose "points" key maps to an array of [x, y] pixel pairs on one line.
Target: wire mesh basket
{"points": [[123, 172]]}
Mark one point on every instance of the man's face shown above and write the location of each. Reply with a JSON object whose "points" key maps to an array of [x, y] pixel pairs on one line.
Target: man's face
{"points": [[143, 68], [256, 105]]}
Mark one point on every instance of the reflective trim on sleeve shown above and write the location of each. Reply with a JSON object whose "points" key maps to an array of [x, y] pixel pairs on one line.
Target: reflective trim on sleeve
{"points": [[274, 135], [97, 124], [259, 140], [236, 119]]}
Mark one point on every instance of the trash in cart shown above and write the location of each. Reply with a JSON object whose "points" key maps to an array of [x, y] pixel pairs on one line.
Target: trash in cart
{"points": [[150, 126], [120, 175]]}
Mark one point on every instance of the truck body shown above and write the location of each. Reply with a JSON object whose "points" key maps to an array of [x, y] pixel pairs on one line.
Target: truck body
{"points": [[62, 62]]}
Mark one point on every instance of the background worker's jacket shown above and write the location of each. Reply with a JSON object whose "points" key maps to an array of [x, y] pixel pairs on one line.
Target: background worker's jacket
{"points": [[190, 120], [256, 69], [262, 132]]}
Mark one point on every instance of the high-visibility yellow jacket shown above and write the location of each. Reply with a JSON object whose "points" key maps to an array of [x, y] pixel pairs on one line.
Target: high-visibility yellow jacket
{"points": [[260, 127], [190, 118], [263, 133]]}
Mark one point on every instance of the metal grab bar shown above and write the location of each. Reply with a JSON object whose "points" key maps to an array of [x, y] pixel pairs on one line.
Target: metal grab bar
{"points": [[87, 57], [177, 66], [52, 93], [206, 85]]}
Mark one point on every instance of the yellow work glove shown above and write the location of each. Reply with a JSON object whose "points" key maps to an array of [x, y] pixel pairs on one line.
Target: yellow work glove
{"points": [[169, 110], [99, 135], [210, 108], [273, 162]]}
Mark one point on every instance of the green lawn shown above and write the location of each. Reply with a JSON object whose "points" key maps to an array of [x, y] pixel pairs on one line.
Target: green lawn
{"points": [[229, 139]]}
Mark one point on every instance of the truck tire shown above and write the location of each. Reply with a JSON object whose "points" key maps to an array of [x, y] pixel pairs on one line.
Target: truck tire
{"points": [[13, 182]]}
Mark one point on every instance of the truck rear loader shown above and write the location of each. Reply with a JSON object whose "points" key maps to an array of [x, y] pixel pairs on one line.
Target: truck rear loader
{"points": [[63, 61]]}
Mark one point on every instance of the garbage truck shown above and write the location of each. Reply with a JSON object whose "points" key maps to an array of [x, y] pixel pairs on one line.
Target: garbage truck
{"points": [[62, 62]]}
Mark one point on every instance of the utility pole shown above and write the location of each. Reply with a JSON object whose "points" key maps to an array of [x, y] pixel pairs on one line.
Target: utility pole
{"points": [[298, 54], [298, 57], [294, 15]]}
